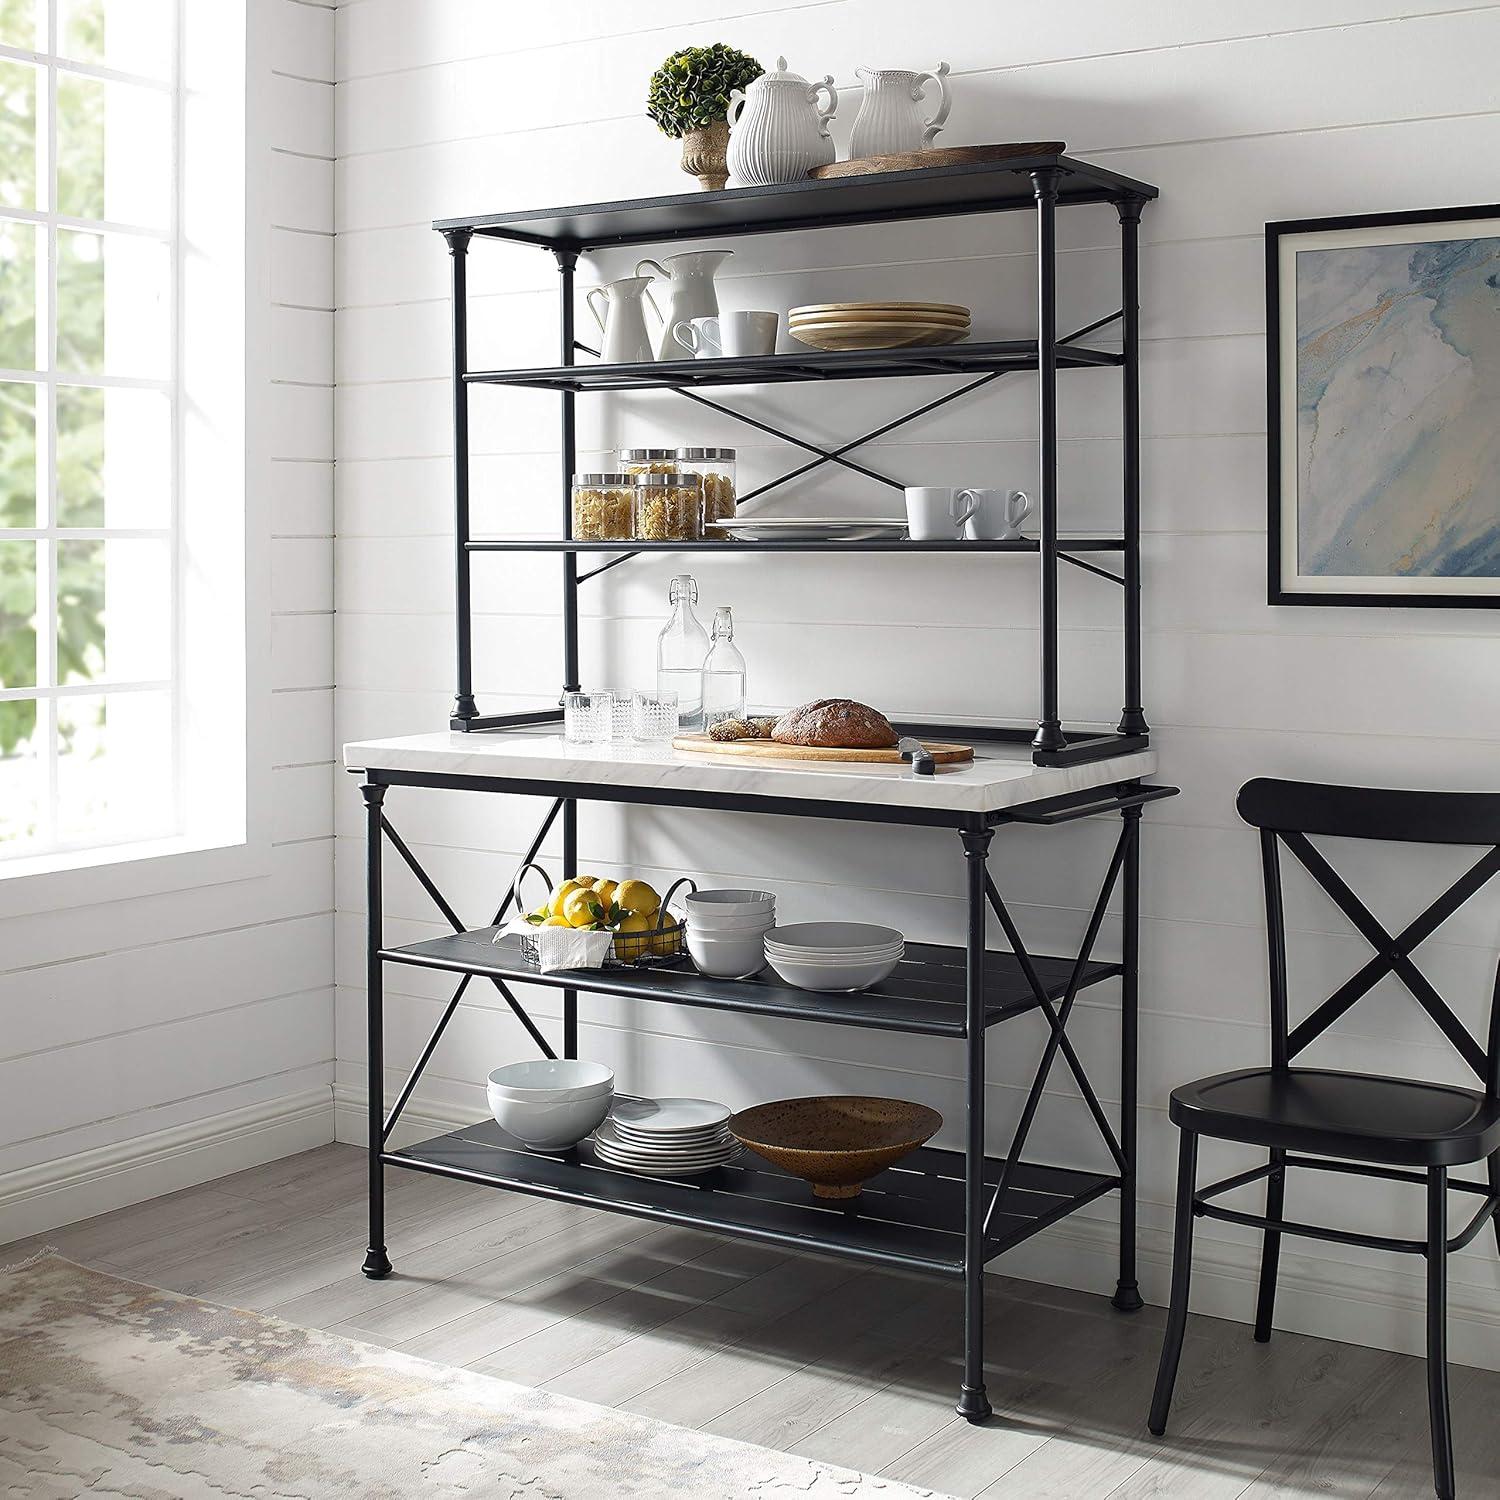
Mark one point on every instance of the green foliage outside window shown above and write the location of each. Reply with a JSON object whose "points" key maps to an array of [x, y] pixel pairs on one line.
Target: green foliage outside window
{"points": [[80, 449]]}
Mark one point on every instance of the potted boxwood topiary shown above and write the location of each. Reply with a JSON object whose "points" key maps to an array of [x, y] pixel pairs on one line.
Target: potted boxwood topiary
{"points": [[689, 98]]}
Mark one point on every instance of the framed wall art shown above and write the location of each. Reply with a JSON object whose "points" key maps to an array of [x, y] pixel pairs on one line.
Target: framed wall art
{"points": [[1383, 408]]}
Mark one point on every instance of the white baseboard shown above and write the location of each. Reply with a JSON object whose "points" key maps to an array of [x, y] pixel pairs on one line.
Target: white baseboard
{"points": [[1383, 1308], [39, 1198]]}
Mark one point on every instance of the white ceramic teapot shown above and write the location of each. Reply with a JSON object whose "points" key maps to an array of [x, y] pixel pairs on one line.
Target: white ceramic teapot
{"points": [[890, 119], [777, 133]]}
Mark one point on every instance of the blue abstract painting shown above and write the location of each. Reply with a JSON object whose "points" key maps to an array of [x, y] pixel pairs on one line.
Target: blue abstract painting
{"points": [[1398, 410]]}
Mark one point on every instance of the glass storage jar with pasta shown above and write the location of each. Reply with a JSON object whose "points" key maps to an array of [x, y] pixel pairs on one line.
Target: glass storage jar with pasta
{"points": [[715, 466], [603, 507], [638, 461], [668, 507]]}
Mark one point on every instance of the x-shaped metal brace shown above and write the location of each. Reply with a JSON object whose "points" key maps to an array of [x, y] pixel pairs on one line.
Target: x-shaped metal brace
{"points": [[1057, 1021], [441, 902], [1392, 954]]}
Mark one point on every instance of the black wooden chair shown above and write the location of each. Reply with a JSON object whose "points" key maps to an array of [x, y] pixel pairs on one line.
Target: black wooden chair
{"points": [[1353, 1122]]}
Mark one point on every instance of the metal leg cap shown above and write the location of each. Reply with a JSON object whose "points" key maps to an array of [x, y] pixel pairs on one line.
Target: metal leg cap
{"points": [[377, 1264], [973, 1404], [1127, 1297]]}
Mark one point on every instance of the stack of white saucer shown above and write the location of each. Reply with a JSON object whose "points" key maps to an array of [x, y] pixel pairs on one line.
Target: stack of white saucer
{"points": [[666, 1137]]}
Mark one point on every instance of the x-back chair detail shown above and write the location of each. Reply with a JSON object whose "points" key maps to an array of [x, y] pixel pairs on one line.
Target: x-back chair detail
{"points": [[1369, 1125]]}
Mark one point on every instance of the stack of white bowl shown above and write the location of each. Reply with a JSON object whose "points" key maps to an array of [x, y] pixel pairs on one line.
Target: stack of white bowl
{"points": [[666, 1137], [837, 956], [726, 931], [550, 1104]]}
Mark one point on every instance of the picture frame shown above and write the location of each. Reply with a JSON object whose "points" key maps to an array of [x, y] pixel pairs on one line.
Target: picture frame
{"points": [[1383, 488]]}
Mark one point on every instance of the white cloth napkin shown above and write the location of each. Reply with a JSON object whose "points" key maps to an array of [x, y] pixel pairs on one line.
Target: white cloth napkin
{"points": [[563, 947]]}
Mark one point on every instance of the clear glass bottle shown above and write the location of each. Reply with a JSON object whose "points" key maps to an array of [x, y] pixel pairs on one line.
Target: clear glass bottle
{"points": [[723, 673], [680, 650]]}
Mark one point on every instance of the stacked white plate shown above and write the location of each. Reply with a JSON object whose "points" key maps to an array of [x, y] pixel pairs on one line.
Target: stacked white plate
{"points": [[725, 931], [666, 1137], [834, 956]]}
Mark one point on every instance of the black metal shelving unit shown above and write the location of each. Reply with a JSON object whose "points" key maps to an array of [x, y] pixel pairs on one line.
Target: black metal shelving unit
{"points": [[945, 1212]]}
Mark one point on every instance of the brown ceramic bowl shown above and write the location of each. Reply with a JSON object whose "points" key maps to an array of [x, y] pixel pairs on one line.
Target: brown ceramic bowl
{"points": [[836, 1142]]}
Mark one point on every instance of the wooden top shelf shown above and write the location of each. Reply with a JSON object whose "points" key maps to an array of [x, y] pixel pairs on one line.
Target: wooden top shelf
{"points": [[926, 193]]}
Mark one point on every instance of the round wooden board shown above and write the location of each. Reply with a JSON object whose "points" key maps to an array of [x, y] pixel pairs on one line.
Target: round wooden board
{"points": [[937, 156], [837, 336], [943, 754], [897, 310]]}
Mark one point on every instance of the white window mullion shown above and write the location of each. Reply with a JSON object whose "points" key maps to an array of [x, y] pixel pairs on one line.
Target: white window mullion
{"points": [[179, 666], [46, 437]]}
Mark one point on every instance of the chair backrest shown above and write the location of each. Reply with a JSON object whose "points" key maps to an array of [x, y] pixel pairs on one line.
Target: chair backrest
{"points": [[1286, 812]]}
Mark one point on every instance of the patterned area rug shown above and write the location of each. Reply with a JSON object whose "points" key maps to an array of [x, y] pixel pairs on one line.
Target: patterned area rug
{"points": [[113, 1388]]}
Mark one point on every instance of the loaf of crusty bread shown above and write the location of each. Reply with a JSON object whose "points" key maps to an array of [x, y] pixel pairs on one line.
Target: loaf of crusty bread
{"points": [[839, 722]]}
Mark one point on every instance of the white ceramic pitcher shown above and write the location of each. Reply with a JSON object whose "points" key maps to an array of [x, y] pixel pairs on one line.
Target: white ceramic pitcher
{"points": [[690, 294], [890, 119], [623, 321]]}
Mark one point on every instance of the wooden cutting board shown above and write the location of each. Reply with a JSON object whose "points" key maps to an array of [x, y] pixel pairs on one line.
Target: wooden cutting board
{"points": [[937, 156], [943, 754]]}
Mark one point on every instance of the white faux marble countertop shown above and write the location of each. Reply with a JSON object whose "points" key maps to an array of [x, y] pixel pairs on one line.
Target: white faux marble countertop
{"points": [[1000, 776]]}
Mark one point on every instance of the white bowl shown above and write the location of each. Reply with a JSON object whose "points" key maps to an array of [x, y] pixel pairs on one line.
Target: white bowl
{"points": [[552, 1079], [835, 960], [712, 921], [549, 1124], [856, 974], [836, 936], [730, 955], [728, 901]]}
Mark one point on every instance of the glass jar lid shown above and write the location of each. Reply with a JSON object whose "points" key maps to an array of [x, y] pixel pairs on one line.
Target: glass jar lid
{"points": [[706, 455], [604, 481], [669, 481], [645, 455]]}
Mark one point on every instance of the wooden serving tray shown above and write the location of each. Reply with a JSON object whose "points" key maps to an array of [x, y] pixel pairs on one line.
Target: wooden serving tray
{"points": [[943, 754], [937, 156]]}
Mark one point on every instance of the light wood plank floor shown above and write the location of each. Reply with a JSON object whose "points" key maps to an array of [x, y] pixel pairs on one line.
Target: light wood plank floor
{"points": [[811, 1356]]}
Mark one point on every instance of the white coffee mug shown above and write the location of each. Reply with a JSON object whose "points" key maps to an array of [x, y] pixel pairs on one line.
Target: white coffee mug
{"points": [[732, 335], [997, 514], [937, 513]]}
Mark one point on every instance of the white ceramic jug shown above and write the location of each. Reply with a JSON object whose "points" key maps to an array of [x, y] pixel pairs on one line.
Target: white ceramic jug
{"points": [[623, 321], [890, 119], [690, 294], [777, 133]]}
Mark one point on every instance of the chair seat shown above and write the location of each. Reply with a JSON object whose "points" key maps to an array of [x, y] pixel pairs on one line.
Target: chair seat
{"points": [[1360, 1116]]}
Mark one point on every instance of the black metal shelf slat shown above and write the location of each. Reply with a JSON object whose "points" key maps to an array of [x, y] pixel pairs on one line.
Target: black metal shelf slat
{"points": [[1025, 546], [925, 995], [911, 1215], [777, 369]]}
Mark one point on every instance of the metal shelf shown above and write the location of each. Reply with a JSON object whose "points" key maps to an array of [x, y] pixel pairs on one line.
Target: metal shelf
{"points": [[928, 192], [810, 364], [911, 1215], [707, 544], [925, 995]]}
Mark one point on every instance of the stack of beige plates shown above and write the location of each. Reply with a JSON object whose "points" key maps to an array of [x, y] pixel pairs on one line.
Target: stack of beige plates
{"points": [[877, 325]]}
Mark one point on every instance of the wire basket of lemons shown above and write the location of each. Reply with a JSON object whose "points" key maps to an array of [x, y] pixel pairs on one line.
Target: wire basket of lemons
{"points": [[645, 929]]}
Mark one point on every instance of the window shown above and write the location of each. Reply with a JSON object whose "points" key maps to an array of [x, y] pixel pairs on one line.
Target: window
{"points": [[91, 707]]}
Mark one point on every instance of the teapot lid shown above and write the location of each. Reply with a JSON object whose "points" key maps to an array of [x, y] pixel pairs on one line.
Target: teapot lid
{"points": [[779, 74]]}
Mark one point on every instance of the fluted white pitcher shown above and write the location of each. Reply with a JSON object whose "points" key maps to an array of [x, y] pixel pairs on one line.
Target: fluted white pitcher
{"points": [[891, 120], [690, 294], [777, 131]]}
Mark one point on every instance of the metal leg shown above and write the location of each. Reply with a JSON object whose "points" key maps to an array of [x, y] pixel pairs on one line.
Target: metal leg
{"points": [[377, 1262], [464, 707], [570, 867], [1127, 1297], [1437, 1332], [973, 1403], [1270, 1248], [1182, 1267], [1133, 717], [1049, 735], [567, 261]]}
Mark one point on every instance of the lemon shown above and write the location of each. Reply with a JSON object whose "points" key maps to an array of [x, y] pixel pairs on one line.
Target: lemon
{"points": [[605, 891], [588, 880], [538, 916], [557, 922], [561, 894], [580, 909], [637, 897], [628, 946], [665, 942]]}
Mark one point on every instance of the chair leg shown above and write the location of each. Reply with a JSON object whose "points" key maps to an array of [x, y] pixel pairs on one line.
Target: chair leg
{"points": [[1437, 1332], [1270, 1249], [1182, 1266]]}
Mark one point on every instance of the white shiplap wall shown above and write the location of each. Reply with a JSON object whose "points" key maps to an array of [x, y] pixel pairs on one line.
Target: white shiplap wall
{"points": [[1241, 114], [151, 1042]]}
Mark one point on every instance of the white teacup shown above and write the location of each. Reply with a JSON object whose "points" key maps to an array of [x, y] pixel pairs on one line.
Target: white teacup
{"points": [[731, 335], [997, 514], [937, 513]]}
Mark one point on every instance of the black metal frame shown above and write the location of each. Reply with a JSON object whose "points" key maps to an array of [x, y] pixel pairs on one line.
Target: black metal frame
{"points": [[1285, 814], [1042, 183], [1277, 591], [1002, 1201]]}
